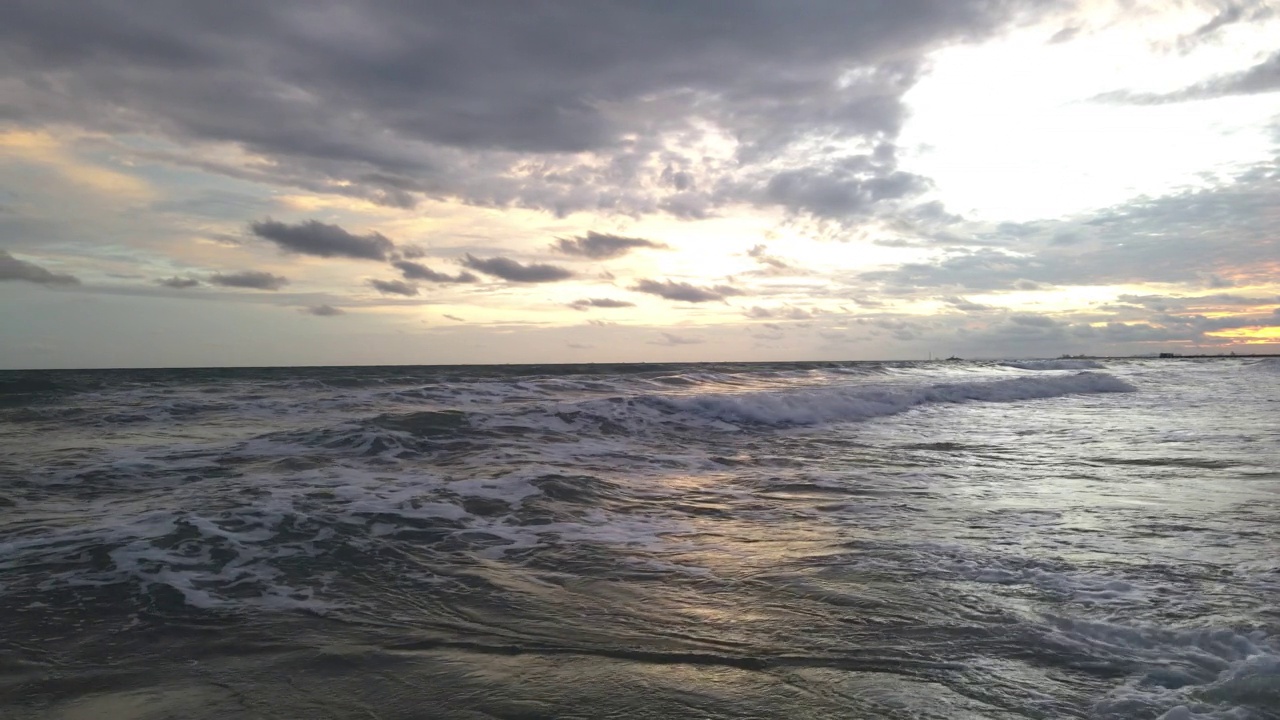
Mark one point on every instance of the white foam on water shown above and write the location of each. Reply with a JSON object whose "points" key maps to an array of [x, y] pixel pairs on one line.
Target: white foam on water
{"points": [[227, 527], [231, 558], [143, 552], [1210, 673], [1062, 364], [861, 402], [1267, 365]]}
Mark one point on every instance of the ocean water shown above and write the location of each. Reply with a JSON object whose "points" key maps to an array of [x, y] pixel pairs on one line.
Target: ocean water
{"points": [[1052, 539]]}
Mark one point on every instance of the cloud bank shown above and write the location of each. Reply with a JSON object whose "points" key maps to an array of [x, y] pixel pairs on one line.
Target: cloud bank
{"points": [[12, 268]]}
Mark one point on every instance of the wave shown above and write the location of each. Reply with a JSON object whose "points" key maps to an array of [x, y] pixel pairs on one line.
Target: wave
{"points": [[1269, 365], [625, 416], [1063, 364], [853, 403]]}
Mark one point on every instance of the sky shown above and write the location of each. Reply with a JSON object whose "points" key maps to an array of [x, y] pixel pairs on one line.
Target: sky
{"points": [[332, 182]]}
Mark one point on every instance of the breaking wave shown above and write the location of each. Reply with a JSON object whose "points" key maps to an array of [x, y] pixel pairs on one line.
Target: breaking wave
{"points": [[1063, 364], [847, 404]]}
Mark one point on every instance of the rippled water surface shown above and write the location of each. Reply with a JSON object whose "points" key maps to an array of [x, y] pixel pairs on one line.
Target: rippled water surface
{"points": [[1054, 539]]}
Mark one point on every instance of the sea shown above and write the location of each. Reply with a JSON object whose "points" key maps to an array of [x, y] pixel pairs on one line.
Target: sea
{"points": [[1070, 538]]}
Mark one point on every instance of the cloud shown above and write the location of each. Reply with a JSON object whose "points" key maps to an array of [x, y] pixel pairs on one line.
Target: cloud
{"points": [[316, 238], [1215, 281], [417, 271], [324, 311], [1230, 14], [371, 100], [963, 304], [844, 191], [684, 292], [1218, 302], [671, 339], [179, 282], [982, 269], [455, 318], [254, 279], [761, 255], [586, 303], [772, 265], [1222, 235], [1261, 78], [12, 268], [1064, 35], [789, 311], [1033, 320], [599, 246], [394, 287], [509, 269]]}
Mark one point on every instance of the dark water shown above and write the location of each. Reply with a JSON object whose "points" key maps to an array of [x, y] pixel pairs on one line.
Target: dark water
{"points": [[914, 540]]}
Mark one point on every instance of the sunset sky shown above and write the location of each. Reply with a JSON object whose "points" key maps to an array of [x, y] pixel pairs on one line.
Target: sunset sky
{"points": [[185, 182]]}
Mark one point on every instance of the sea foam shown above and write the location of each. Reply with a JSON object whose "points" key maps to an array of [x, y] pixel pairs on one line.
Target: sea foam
{"points": [[861, 402]]}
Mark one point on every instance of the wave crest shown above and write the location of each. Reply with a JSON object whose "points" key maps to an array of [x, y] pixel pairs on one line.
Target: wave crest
{"points": [[845, 404], [1063, 364]]}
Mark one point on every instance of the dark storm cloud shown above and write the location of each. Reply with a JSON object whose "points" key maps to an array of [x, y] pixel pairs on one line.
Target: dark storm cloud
{"points": [[684, 292], [601, 246], [179, 283], [509, 269], [586, 303], [417, 271], [12, 268], [394, 287], [1261, 78], [394, 101], [253, 279], [316, 238], [324, 311]]}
